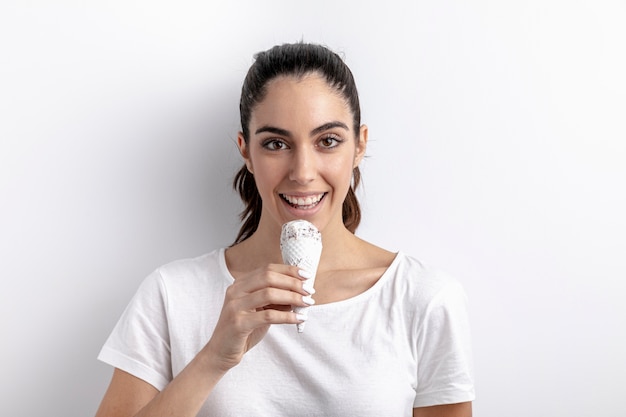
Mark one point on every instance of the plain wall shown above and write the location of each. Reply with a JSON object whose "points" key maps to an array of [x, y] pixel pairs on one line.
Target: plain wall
{"points": [[497, 153]]}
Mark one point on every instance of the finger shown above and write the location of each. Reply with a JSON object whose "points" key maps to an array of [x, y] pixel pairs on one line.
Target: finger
{"points": [[271, 316], [273, 296], [290, 270], [273, 276], [244, 322]]}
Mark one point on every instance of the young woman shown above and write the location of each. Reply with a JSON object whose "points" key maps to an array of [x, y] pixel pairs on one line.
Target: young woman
{"points": [[215, 335]]}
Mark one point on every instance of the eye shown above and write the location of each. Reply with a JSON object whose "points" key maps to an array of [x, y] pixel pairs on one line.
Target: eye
{"points": [[274, 144], [330, 141]]}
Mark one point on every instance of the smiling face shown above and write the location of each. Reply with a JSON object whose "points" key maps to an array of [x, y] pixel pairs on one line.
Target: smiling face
{"points": [[302, 150]]}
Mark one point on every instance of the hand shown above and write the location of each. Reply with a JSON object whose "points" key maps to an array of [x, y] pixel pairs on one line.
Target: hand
{"points": [[253, 303]]}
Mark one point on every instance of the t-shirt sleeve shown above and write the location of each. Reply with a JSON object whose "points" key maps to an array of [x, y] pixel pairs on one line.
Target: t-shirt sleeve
{"points": [[445, 368], [139, 343]]}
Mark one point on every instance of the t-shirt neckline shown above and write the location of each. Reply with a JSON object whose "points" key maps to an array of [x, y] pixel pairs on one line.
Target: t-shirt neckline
{"points": [[386, 276]]}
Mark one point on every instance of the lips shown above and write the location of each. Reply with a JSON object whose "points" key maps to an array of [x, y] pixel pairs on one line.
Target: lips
{"points": [[303, 202]]}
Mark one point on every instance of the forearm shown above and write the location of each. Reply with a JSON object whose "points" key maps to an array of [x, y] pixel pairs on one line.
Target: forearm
{"points": [[185, 395]]}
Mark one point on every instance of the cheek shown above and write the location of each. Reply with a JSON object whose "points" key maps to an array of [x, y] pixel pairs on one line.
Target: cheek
{"points": [[263, 178], [266, 175], [341, 171]]}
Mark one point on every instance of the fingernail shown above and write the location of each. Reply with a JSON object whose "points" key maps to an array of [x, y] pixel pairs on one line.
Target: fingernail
{"points": [[301, 317], [308, 300], [308, 288], [305, 274]]}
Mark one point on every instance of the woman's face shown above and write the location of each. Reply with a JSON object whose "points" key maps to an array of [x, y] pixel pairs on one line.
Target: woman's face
{"points": [[302, 150]]}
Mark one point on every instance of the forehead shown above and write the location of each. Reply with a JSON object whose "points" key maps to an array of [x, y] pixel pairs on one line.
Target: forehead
{"points": [[304, 100]]}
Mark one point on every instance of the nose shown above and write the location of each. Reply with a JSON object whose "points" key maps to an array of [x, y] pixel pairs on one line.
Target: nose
{"points": [[303, 166]]}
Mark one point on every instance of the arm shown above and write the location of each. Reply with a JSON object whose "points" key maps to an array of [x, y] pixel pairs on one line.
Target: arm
{"points": [[129, 396], [126, 395], [252, 303], [448, 410]]}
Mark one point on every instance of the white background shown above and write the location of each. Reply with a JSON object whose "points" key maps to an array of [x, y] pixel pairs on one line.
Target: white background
{"points": [[497, 153]]}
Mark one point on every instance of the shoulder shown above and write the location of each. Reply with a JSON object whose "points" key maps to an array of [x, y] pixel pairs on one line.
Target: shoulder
{"points": [[186, 275], [189, 269], [417, 273], [425, 285], [183, 287], [407, 270], [198, 264]]}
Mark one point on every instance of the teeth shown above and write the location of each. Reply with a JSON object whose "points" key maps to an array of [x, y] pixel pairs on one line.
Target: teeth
{"points": [[303, 201]]}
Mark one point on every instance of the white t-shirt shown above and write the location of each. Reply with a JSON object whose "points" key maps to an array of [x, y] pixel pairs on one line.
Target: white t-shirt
{"points": [[403, 343]]}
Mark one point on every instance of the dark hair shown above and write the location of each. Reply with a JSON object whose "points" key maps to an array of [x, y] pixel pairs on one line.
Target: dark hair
{"points": [[298, 59]]}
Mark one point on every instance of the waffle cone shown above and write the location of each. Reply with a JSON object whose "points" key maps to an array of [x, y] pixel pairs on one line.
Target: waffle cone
{"points": [[301, 246]]}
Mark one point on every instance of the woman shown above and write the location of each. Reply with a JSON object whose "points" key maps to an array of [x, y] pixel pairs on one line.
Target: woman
{"points": [[214, 336]]}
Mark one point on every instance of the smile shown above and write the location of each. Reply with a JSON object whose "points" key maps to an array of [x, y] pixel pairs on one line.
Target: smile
{"points": [[303, 203]]}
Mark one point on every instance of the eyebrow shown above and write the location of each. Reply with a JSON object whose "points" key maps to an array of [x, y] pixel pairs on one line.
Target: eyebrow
{"points": [[317, 130]]}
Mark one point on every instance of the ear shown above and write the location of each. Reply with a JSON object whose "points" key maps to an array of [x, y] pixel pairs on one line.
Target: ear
{"points": [[361, 146], [243, 150]]}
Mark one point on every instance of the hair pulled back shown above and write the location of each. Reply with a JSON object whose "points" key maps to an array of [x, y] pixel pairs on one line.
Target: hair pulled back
{"points": [[298, 60]]}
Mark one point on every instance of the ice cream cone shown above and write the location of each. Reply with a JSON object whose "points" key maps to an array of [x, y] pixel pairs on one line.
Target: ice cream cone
{"points": [[301, 245]]}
